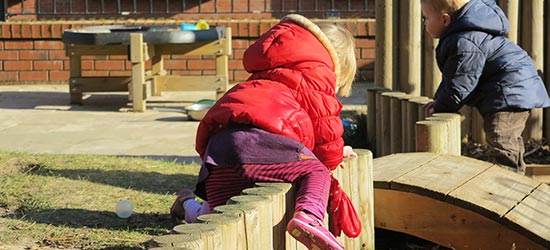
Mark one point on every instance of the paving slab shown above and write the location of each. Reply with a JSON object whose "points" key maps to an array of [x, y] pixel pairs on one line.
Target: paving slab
{"points": [[39, 119]]}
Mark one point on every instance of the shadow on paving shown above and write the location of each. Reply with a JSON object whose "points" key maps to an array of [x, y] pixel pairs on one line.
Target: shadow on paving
{"points": [[96, 102]]}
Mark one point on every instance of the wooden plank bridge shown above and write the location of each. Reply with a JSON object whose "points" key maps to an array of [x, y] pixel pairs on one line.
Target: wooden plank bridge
{"points": [[460, 202]]}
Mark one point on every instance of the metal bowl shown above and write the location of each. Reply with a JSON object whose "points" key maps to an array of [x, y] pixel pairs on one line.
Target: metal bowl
{"points": [[197, 111]]}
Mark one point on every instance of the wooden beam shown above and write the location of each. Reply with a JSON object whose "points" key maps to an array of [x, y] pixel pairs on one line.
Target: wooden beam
{"points": [[443, 223]]}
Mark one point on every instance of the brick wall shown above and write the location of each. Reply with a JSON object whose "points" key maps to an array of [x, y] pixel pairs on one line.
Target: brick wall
{"points": [[32, 51]]}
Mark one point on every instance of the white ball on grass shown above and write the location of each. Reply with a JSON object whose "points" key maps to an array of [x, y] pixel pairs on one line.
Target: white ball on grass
{"points": [[124, 209]]}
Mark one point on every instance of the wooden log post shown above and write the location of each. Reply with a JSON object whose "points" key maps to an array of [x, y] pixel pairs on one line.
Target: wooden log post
{"points": [[386, 114], [410, 47], [379, 122], [364, 197], [178, 241], [431, 136], [231, 228], [249, 215], [373, 117], [264, 213], [532, 33], [209, 234], [511, 9], [432, 74], [412, 116], [453, 130], [290, 201], [383, 68], [396, 121], [347, 178], [405, 135], [278, 210], [222, 63]]}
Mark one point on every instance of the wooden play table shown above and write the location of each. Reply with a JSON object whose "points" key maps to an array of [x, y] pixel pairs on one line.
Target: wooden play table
{"points": [[141, 44]]}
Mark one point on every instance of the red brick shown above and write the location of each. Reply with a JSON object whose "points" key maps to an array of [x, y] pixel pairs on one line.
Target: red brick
{"points": [[109, 65], [201, 64], [371, 24], [365, 43], [235, 64], [33, 55], [55, 30], [33, 75], [118, 57], [240, 76], [46, 30], [240, 44], [362, 29], [17, 65], [187, 72], [368, 53], [6, 31], [36, 31], [254, 29], [48, 65], [9, 76], [243, 30], [26, 30], [59, 75], [57, 54], [11, 55], [184, 57], [16, 30], [175, 64], [120, 73], [86, 65], [18, 45], [238, 54], [264, 26], [48, 45], [1, 45], [95, 73]]}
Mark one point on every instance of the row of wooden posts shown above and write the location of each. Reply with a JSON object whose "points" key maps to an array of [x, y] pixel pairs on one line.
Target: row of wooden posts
{"points": [[395, 119], [405, 59], [257, 219]]}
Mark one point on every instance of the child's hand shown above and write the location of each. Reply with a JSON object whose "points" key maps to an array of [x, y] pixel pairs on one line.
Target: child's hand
{"points": [[348, 151], [429, 108]]}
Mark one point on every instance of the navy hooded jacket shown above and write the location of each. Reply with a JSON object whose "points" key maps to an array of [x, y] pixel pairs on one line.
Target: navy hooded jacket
{"points": [[482, 68]]}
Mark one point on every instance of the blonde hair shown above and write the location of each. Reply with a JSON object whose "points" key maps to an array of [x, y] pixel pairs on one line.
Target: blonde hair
{"points": [[448, 6], [344, 44]]}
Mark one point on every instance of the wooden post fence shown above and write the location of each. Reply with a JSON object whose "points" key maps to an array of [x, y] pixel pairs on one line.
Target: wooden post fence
{"points": [[257, 219]]}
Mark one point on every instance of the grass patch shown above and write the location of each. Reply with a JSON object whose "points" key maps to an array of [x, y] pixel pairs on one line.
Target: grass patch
{"points": [[68, 201]]}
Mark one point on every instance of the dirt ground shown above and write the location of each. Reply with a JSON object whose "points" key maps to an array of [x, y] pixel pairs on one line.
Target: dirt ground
{"points": [[536, 152]]}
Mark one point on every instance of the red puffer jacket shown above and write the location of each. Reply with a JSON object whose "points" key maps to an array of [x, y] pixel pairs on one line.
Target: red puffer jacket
{"points": [[291, 91]]}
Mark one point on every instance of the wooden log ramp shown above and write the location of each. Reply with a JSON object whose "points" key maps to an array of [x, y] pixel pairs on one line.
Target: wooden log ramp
{"points": [[460, 202], [257, 219]]}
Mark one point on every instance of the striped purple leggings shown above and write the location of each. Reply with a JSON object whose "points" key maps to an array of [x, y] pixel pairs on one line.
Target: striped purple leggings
{"points": [[310, 177]]}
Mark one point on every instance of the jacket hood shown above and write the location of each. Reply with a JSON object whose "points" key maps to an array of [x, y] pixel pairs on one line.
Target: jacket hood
{"points": [[294, 45], [479, 15]]}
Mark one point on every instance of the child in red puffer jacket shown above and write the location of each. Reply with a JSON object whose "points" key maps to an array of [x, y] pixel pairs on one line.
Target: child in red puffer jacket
{"points": [[281, 125]]}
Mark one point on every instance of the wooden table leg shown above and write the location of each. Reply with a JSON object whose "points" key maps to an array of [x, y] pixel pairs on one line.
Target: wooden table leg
{"points": [[138, 72], [75, 69]]}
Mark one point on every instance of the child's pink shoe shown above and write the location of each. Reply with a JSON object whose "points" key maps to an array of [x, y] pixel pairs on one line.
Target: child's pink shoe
{"points": [[310, 231]]}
